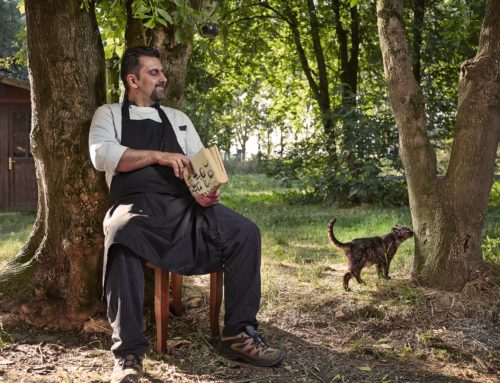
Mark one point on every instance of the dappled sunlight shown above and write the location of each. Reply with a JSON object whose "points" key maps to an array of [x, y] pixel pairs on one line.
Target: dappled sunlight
{"points": [[380, 328]]}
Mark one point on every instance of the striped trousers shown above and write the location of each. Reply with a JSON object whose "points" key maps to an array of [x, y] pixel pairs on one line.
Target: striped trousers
{"points": [[241, 253]]}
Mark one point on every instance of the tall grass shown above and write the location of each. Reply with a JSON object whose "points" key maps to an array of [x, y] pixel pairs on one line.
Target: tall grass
{"points": [[14, 230]]}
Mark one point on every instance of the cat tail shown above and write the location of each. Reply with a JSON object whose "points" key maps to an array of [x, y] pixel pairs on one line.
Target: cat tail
{"points": [[334, 240]]}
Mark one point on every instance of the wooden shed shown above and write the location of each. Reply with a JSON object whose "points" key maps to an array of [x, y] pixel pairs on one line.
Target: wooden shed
{"points": [[18, 189]]}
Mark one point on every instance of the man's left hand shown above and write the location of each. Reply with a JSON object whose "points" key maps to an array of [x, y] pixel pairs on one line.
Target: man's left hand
{"points": [[209, 199]]}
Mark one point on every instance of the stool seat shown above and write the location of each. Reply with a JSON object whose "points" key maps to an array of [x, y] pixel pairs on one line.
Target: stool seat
{"points": [[162, 302]]}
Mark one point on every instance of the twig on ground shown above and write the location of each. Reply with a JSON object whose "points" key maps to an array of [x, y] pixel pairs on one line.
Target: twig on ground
{"points": [[252, 379], [40, 352], [354, 333], [312, 372], [207, 342]]}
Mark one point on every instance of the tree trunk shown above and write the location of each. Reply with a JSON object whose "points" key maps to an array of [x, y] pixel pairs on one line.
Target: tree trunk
{"points": [[448, 215], [57, 275], [113, 80], [348, 54], [174, 57], [349, 64], [134, 29]]}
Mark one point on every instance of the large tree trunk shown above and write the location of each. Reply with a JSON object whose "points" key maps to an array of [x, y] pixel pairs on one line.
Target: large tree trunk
{"points": [[174, 57], [448, 215], [134, 29], [57, 275]]}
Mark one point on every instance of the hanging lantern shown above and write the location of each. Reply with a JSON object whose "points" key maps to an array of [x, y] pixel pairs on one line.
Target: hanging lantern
{"points": [[210, 29]]}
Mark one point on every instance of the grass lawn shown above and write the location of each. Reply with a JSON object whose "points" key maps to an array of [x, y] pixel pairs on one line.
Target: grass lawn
{"points": [[15, 228], [291, 232]]}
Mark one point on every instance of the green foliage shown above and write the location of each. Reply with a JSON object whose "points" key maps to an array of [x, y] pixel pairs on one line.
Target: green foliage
{"points": [[250, 81], [308, 162], [495, 193], [178, 13], [111, 20], [13, 56]]}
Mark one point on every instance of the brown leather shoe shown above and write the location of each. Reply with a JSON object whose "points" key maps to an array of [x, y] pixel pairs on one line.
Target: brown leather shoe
{"points": [[128, 369], [249, 347]]}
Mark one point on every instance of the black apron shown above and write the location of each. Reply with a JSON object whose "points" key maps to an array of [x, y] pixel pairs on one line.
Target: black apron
{"points": [[152, 211]]}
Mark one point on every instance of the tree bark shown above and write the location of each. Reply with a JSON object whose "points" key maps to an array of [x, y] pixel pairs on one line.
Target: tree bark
{"points": [[349, 65], [57, 274], [174, 57], [134, 29], [349, 57], [448, 215]]}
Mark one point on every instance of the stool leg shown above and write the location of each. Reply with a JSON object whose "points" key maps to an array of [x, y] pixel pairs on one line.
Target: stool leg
{"points": [[177, 293], [216, 280], [162, 302]]}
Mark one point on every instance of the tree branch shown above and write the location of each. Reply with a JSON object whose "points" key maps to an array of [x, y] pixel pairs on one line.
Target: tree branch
{"points": [[320, 57], [417, 153]]}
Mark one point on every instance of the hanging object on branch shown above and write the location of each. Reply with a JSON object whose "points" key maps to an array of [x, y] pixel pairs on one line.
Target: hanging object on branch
{"points": [[210, 29]]}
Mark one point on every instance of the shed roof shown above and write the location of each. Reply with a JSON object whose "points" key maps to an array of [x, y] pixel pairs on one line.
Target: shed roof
{"points": [[15, 82]]}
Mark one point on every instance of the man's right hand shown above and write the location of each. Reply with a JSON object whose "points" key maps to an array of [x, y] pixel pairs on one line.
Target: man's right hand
{"points": [[133, 159], [176, 161]]}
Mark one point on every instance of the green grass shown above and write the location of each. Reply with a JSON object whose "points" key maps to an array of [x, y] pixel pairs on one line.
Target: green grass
{"points": [[294, 233], [14, 230], [297, 232]]}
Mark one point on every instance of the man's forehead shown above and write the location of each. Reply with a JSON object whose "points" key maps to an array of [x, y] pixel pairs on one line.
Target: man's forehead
{"points": [[148, 62]]}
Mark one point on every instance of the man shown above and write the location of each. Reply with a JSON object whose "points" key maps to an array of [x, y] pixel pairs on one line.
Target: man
{"points": [[143, 148]]}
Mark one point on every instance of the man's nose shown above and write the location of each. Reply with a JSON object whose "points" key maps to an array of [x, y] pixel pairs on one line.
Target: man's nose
{"points": [[163, 78]]}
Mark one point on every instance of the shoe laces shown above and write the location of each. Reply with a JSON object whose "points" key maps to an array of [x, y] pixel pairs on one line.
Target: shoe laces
{"points": [[257, 340]]}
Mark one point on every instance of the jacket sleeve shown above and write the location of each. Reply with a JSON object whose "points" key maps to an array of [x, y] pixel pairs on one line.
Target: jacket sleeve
{"points": [[104, 145]]}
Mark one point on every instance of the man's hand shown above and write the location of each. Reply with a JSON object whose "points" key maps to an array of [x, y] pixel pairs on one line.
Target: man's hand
{"points": [[210, 199], [176, 161], [133, 159]]}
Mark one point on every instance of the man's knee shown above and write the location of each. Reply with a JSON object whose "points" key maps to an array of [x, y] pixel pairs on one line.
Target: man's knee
{"points": [[251, 229]]}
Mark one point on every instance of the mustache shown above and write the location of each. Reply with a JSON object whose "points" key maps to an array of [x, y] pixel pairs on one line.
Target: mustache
{"points": [[161, 84]]}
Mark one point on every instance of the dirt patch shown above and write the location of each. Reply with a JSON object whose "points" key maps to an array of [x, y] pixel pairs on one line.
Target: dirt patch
{"points": [[386, 331]]}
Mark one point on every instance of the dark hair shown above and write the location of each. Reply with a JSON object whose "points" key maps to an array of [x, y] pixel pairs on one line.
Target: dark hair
{"points": [[130, 61]]}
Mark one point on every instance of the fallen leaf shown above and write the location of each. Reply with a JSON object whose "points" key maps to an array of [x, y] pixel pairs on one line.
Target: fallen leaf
{"points": [[365, 368], [178, 343]]}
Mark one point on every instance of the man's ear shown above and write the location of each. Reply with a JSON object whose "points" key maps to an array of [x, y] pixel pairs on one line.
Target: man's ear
{"points": [[132, 80]]}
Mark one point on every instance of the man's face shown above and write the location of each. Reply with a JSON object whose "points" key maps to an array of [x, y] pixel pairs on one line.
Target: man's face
{"points": [[151, 82]]}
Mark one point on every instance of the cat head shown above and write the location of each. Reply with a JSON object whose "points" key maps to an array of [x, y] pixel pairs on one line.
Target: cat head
{"points": [[402, 233]]}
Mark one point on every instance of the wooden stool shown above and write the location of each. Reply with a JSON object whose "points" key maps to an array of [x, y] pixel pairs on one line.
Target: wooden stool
{"points": [[162, 302]]}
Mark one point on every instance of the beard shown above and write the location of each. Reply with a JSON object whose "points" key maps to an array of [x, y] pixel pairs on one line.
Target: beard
{"points": [[158, 94]]}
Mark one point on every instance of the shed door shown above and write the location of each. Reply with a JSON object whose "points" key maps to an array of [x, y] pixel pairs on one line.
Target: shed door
{"points": [[22, 188]]}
